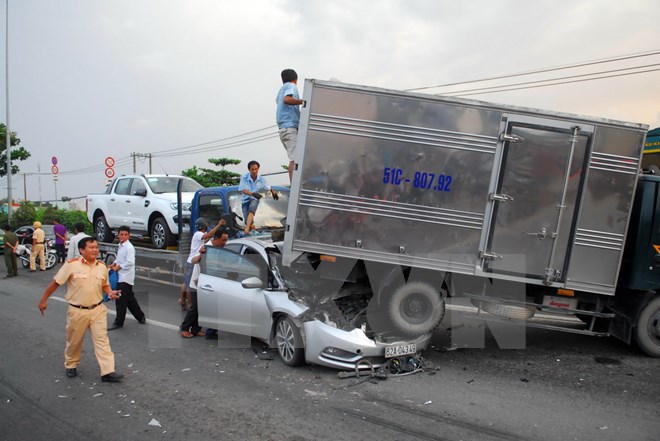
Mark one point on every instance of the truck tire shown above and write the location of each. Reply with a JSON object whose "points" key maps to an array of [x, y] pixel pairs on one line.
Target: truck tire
{"points": [[102, 230], [161, 236], [414, 309], [647, 329]]}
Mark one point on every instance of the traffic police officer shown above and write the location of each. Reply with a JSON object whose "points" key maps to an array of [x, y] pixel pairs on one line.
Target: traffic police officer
{"points": [[86, 279]]}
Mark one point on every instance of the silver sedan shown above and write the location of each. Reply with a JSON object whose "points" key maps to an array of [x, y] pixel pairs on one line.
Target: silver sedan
{"points": [[242, 289]]}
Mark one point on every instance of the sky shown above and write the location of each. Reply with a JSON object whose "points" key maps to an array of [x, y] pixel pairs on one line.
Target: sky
{"points": [[90, 79]]}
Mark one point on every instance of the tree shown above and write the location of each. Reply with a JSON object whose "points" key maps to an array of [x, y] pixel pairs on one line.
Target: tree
{"points": [[25, 215], [18, 153], [207, 177]]}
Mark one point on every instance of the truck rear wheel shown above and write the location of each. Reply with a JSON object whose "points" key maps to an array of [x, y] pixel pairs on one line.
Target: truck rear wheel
{"points": [[647, 331], [161, 236], [414, 309], [102, 230]]}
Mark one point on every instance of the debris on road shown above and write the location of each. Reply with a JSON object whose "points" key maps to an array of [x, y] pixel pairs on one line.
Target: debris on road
{"points": [[154, 422]]}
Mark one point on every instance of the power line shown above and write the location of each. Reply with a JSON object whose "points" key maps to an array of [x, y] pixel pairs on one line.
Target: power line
{"points": [[560, 83], [460, 92], [547, 69]]}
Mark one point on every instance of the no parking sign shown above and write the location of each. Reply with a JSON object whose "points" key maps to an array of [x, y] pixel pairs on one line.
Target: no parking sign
{"points": [[109, 163]]}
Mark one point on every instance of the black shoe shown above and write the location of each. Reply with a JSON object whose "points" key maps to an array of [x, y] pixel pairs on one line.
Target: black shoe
{"points": [[112, 377], [71, 372], [33, 271], [143, 320], [113, 327], [213, 336]]}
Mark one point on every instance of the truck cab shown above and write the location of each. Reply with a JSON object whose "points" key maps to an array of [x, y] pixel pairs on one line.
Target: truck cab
{"points": [[217, 203]]}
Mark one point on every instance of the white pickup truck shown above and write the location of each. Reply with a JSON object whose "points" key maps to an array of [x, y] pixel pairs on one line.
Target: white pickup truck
{"points": [[145, 203]]}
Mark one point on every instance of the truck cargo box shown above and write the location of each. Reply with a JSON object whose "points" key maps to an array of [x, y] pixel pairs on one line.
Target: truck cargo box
{"points": [[462, 186]]}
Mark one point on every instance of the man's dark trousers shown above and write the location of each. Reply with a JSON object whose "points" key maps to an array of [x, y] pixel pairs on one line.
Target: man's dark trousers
{"points": [[127, 300]]}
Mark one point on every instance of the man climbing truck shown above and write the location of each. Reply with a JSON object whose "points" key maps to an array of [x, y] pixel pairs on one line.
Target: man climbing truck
{"points": [[427, 197]]}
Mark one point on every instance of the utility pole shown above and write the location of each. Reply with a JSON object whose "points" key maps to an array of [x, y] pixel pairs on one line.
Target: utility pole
{"points": [[8, 134], [140, 155]]}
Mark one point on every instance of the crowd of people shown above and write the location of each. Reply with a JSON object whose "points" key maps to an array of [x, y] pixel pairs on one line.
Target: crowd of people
{"points": [[87, 279]]}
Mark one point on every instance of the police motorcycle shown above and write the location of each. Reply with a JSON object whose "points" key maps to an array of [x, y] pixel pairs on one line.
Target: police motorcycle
{"points": [[23, 254]]}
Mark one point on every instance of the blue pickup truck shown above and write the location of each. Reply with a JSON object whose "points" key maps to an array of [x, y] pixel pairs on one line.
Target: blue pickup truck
{"points": [[217, 203]]}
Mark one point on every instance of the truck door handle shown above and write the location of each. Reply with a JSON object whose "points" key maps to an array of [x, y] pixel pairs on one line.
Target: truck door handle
{"points": [[206, 288], [128, 201], [543, 234]]}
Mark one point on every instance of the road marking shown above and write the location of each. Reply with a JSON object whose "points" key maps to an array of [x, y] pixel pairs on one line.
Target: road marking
{"points": [[149, 321]]}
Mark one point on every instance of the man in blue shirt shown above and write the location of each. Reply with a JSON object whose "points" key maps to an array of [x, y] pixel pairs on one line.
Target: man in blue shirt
{"points": [[288, 114], [251, 184]]}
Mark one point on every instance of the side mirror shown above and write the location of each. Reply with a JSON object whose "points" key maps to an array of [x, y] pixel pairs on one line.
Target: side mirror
{"points": [[252, 283], [140, 192]]}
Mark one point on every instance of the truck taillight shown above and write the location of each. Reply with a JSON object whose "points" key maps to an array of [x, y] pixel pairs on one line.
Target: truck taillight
{"points": [[565, 292]]}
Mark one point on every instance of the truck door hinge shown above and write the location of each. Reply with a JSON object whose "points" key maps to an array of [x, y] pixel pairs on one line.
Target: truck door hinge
{"points": [[489, 255], [499, 197], [505, 137]]}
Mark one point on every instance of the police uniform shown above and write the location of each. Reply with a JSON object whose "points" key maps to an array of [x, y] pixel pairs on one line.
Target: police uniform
{"points": [[84, 295], [38, 236]]}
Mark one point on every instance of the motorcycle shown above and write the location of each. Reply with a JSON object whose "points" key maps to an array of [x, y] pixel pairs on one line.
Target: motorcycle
{"points": [[23, 254]]}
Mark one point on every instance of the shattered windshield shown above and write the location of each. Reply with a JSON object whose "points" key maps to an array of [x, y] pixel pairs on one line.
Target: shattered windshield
{"points": [[270, 212]]}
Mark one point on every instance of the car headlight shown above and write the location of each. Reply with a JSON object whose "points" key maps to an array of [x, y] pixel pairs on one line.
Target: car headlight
{"points": [[184, 207]]}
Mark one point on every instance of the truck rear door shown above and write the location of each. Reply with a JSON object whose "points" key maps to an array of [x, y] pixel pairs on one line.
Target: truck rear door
{"points": [[537, 191]]}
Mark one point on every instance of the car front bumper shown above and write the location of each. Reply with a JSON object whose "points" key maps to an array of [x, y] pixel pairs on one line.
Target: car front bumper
{"points": [[332, 347]]}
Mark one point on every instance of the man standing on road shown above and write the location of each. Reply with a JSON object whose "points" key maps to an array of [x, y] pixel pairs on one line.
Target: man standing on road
{"points": [[60, 240], [124, 264], [11, 242], [73, 252], [86, 279], [38, 238], [219, 240], [190, 326], [287, 114], [251, 184]]}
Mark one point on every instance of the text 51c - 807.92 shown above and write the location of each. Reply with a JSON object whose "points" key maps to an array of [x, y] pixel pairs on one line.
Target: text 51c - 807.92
{"points": [[421, 180]]}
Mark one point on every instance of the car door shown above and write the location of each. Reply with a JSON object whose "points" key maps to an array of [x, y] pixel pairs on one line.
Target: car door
{"points": [[223, 302], [119, 212], [139, 205]]}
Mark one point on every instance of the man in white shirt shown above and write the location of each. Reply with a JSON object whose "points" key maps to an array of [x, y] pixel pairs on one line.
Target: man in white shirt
{"points": [[73, 251], [190, 326], [219, 240], [124, 264]]}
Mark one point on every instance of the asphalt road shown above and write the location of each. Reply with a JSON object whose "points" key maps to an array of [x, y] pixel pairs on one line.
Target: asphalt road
{"points": [[560, 387]]}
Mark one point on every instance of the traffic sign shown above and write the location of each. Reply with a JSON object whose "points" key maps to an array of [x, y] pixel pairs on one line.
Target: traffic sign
{"points": [[54, 169], [109, 161], [54, 160], [109, 172]]}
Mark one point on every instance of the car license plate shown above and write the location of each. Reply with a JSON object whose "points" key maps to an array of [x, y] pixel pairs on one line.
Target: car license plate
{"points": [[395, 351]]}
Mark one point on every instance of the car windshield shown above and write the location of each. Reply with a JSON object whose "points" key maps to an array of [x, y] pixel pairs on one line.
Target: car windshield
{"points": [[270, 212], [301, 278], [167, 184], [49, 230]]}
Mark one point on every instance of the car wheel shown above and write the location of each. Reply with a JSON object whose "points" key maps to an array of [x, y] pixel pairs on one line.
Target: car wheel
{"points": [[414, 309], [289, 342], [647, 331], [102, 230], [161, 236]]}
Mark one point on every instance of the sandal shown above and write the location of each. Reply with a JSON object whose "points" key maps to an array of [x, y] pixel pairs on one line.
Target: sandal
{"points": [[186, 334], [200, 333]]}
